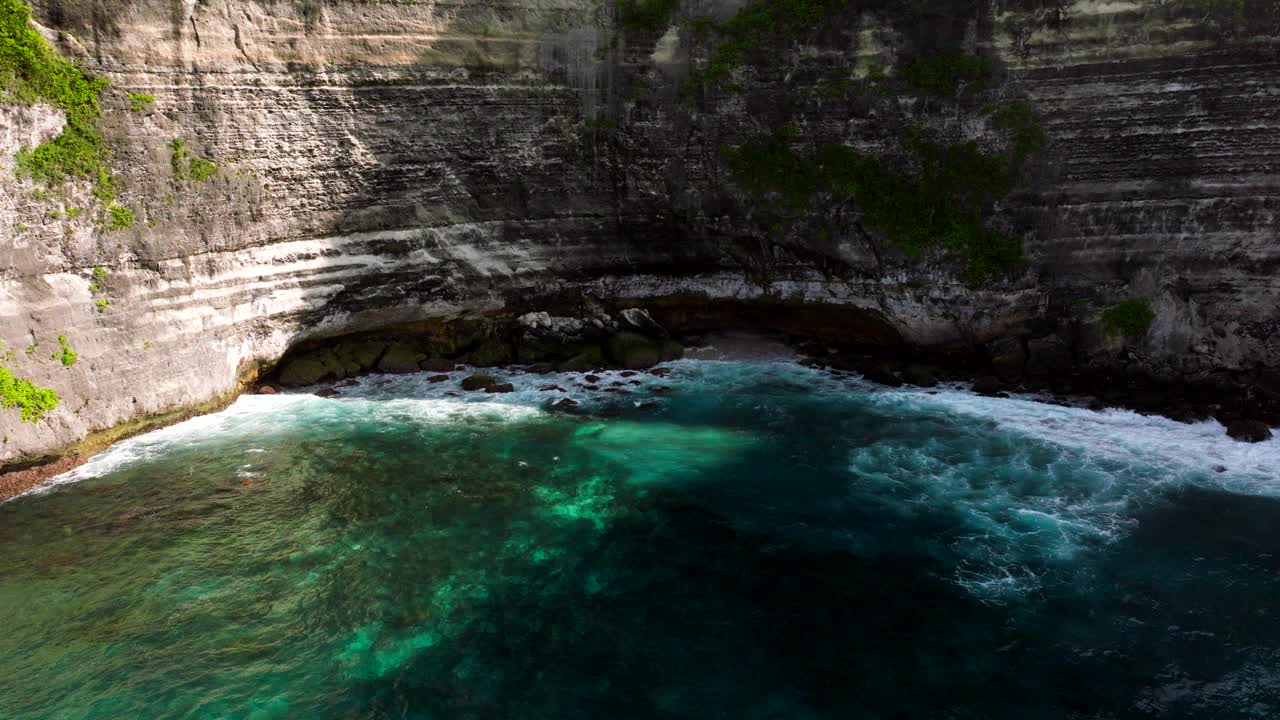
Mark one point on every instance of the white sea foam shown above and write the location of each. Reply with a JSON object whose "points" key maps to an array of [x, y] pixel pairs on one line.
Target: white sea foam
{"points": [[1031, 484]]}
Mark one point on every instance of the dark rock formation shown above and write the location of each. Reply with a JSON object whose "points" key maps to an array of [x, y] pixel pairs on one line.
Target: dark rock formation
{"points": [[478, 382], [920, 376], [987, 385], [400, 359], [880, 376], [1249, 430]]}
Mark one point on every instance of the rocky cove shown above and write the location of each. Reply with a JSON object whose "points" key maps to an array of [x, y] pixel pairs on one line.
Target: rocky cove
{"points": [[285, 173]]}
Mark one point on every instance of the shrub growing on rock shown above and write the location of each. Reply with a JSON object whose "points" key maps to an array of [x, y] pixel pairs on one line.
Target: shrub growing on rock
{"points": [[32, 400], [1131, 319]]}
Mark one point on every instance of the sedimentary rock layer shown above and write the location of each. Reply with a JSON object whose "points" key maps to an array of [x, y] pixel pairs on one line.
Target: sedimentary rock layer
{"points": [[379, 163]]}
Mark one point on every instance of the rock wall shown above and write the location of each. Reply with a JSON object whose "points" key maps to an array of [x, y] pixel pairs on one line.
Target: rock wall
{"points": [[381, 163]]}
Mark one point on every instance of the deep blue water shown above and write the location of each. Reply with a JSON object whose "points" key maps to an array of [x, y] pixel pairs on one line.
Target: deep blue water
{"points": [[763, 540]]}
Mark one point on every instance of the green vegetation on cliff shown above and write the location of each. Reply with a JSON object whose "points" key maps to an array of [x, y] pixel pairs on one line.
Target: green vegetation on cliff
{"points": [[139, 102], [122, 218], [1131, 319], [31, 72], [938, 205], [188, 165], [33, 400], [67, 356]]}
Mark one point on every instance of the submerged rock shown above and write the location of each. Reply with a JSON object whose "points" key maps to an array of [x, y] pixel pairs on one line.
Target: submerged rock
{"points": [[326, 392], [500, 388], [478, 382], [1248, 430], [437, 378], [266, 390], [565, 404]]}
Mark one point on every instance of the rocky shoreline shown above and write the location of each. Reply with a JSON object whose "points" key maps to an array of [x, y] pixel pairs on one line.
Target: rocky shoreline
{"points": [[596, 339], [640, 338]]}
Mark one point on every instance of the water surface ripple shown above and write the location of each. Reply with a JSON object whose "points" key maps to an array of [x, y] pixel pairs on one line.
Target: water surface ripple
{"points": [[738, 540]]}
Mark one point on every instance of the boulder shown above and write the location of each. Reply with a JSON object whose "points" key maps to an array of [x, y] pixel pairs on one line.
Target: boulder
{"points": [[542, 337], [640, 321], [1249, 430], [565, 404], [309, 369], [634, 351], [500, 388], [478, 382], [327, 392], [400, 359], [266, 390], [987, 385], [359, 357], [589, 359], [437, 378], [491, 353], [437, 365]]}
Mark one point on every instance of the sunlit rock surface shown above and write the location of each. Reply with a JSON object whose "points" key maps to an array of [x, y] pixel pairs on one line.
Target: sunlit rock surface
{"points": [[382, 163]]}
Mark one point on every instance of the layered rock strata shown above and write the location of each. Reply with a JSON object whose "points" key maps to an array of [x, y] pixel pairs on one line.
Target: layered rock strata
{"points": [[401, 164]]}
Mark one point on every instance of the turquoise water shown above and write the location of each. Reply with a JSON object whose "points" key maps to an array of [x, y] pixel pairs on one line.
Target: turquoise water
{"points": [[760, 540]]}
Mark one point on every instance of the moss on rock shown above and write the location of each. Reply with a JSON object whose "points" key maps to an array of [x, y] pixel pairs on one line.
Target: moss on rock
{"points": [[590, 358], [400, 358], [1131, 319], [478, 382], [491, 353], [309, 369], [359, 356], [634, 351]]}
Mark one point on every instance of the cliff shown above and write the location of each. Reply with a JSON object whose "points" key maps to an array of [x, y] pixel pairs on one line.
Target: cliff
{"points": [[298, 170]]}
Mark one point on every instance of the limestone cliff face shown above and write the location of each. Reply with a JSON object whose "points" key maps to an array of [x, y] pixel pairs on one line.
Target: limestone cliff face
{"points": [[389, 162]]}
